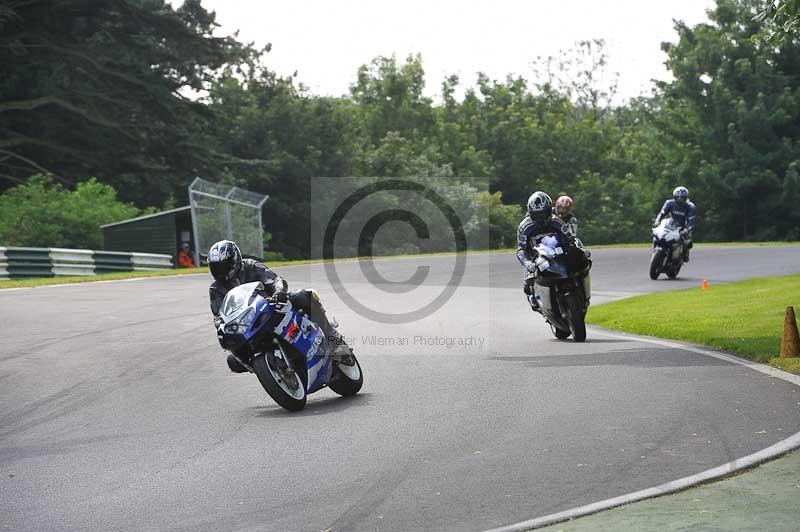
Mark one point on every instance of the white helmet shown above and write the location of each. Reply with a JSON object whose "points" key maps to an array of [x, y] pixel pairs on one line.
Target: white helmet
{"points": [[681, 194]]}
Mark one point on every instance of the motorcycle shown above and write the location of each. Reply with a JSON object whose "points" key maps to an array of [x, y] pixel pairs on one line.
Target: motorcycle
{"points": [[287, 351], [668, 249], [562, 286]]}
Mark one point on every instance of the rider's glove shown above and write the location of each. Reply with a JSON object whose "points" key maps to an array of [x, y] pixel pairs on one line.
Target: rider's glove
{"points": [[280, 297], [530, 266]]}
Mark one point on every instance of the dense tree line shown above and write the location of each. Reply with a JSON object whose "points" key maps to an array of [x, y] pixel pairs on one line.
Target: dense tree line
{"points": [[99, 88]]}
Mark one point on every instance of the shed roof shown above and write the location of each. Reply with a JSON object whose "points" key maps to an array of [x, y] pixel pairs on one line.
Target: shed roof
{"points": [[155, 214]]}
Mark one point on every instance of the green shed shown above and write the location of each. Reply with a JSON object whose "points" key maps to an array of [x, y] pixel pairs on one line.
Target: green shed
{"points": [[162, 232]]}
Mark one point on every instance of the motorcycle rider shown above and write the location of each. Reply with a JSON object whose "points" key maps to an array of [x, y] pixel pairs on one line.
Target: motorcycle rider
{"points": [[684, 213], [538, 221], [230, 270], [563, 210]]}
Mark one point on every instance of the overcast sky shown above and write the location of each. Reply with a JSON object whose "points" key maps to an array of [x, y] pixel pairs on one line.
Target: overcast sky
{"points": [[326, 41]]}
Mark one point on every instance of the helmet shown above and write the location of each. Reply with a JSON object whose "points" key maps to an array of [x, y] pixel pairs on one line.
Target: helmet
{"points": [[563, 206], [540, 207], [681, 194], [224, 260]]}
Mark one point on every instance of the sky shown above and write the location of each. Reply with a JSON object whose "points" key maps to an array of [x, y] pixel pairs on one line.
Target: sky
{"points": [[325, 41]]}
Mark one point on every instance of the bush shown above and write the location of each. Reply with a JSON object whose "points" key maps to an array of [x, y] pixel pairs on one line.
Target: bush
{"points": [[503, 219], [42, 213]]}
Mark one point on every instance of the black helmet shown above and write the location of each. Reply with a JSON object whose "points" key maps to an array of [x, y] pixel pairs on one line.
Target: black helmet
{"points": [[224, 260], [540, 207]]}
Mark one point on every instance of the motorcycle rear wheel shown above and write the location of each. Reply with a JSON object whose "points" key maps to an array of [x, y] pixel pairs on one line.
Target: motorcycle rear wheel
{"points": [[559, 333], [655, 263], [346, 379], [285, 387]]}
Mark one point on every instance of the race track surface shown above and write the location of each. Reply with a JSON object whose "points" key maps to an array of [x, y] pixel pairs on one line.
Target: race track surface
{"points": [[117, 410]]}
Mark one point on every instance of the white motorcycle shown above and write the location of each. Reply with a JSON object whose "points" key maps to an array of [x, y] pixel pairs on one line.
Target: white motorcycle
{"points": [[668, 249]]}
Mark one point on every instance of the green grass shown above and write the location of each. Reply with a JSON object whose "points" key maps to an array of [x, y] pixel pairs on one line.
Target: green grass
{"points": [[698, 244], [792, 365], [45, 281], [71, 279], [745, 318]]}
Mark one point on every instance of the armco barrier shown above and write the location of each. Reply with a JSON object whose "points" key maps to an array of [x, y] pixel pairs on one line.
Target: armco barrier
{"points": [[48, 262], [3, 264]]}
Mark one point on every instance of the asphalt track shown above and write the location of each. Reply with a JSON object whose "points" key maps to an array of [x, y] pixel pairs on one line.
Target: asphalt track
{"points": [[117, 411]]}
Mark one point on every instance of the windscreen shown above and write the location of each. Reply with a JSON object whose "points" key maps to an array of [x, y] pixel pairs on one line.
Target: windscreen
{"points": [[549, 245], [236, 300], [669, 223]]}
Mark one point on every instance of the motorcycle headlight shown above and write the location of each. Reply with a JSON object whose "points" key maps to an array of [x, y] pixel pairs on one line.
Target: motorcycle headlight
{"points": [[239, 326]]}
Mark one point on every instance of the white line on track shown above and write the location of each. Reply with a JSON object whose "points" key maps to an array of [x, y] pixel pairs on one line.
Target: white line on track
{"points": [[773, 451]]}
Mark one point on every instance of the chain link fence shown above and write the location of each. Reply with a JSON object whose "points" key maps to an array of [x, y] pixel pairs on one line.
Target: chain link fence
{"points": [[221, 212]]}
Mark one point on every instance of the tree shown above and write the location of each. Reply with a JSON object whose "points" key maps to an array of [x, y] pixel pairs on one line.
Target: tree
{"points": [[732, 116], [782, 20], [96, 87], [42, 213]]}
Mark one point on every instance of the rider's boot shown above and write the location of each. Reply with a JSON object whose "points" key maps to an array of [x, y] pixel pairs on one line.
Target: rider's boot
{"points": [[235, 366], [528, 289], [686, 254], [340, 348]]}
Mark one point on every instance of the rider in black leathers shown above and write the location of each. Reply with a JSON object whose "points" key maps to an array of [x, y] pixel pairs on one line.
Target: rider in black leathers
{"points": [[230, 270]]}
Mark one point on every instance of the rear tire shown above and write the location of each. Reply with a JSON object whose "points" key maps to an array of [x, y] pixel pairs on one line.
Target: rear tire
{"points": [[342, 381], [655, 263], [559, 333], [673, 273], [266, 376]]}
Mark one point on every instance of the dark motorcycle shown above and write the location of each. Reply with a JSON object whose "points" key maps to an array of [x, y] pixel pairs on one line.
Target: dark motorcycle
{"points": [[562, 286], [668, 249]]}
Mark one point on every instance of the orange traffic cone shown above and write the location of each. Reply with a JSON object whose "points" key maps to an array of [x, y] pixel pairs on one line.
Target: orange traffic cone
{"points": [[790, 345], [704, 286]]}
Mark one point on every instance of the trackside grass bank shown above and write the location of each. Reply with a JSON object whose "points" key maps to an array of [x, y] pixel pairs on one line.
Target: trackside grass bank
{"points": [[46, 281], [745, 318]]}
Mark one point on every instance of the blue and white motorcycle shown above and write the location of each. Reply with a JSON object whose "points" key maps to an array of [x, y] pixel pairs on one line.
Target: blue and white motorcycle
{"points": [[668, 244], [287, 351]]}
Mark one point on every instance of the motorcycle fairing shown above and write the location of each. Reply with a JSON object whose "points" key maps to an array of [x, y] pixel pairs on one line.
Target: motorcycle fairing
{"points": [[309, 340]]}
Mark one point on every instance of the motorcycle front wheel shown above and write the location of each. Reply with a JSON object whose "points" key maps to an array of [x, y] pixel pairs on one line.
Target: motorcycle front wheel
{"points": [[576, 317], [655, 263], [281, 381]]}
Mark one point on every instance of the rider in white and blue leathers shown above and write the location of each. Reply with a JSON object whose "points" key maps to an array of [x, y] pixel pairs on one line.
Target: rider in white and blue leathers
{"points": [[684, 213], [539, 221]]}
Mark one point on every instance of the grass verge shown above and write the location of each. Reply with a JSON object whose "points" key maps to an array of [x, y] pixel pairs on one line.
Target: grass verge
{"points": [[46, 281], [792, 365], [72, 279], [745, 318]]}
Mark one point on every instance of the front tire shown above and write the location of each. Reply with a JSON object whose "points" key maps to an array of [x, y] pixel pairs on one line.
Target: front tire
{"points": [[346, 379], [576, 317], [655, 263], [286, 387]]}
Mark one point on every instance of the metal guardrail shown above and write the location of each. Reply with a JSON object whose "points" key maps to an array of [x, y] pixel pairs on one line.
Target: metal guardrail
{"points": [[49, 262]]}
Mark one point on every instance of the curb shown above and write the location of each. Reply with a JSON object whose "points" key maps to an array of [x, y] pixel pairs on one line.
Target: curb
{"points": [[770, 453]]}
